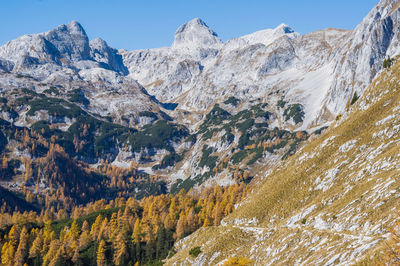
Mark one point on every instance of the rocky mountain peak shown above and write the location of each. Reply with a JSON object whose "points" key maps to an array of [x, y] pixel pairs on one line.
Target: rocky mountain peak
{"points": [[98, 42], [107, 56], [74, 27], [269, 36], [70, 40], [284, 29], [195, 33], [374, 39]]}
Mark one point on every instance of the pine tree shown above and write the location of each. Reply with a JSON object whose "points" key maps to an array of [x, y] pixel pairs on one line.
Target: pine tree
{"points": [[75, 255], [206, 222], [94, 231], [169, 222], [120, 249], [22, 251], [238, 261], [160, 243], [217, 215], [104, 230], [53, 253], [149, 249], [36, 247], [7, 254], [57, 259], [137, 231], [138, 253], [180, 227], [48, 237], [74, 230], [191, 221], [13, 236], [101, 253], [84, 238]]}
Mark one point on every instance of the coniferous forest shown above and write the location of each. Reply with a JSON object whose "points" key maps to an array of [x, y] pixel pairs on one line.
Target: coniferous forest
{"points": [[121, 232]]}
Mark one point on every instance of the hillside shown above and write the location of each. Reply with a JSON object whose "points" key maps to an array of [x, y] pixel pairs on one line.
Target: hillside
{"points": [[274, 148], [198, 113], [331, 203]]}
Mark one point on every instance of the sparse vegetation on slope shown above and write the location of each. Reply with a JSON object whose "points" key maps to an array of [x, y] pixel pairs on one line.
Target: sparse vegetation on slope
{"points": [[335, 197]]}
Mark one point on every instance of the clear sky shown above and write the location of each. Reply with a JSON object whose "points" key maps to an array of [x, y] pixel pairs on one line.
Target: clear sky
{"points": [[133, 24]]}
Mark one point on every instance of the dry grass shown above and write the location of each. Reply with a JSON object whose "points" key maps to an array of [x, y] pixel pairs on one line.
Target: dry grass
{"points": [[359, 194], [396, 6], [156, 83]]}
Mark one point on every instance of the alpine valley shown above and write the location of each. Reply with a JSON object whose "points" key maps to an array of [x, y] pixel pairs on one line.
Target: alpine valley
{"points": [[274, 148]]}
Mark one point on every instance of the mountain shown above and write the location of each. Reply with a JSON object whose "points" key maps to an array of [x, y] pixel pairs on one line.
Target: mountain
{"points": [[373, 40], [195, 34], [64, 58], [305, 125], [246, 103], [65, 46], [61, 80], [331, 203], [198, 113], [321, 70]]}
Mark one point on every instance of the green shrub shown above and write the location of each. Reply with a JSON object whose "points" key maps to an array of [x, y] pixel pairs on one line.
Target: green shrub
{"points": [[320, 130], [257, 155], [186, 184], [228, 137], [55, 107], [387, 63], [77, 96], [207, 159], [245, 125], [354, 99], [158, 136], [215, 117], [217, 112], [281, 103], [171, 253], [239, 156], [209, 133], [194, 252], [169, 160], [294, 111], [232, 101], [148, 114]]}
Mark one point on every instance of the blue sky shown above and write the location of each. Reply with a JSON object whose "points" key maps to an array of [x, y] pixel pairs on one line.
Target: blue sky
{"points": [[152, 23]]}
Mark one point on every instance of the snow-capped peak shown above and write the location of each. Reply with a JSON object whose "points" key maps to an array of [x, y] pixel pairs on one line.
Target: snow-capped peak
{"points": [[195, 33], [74, 27], [70, 40], [268, 36], [284, 29]]}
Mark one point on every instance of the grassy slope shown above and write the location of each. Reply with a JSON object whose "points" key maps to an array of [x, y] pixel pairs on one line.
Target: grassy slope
{"points": [[330, 203]]}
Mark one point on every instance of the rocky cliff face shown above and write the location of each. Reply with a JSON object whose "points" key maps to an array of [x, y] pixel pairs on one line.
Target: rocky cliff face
{"points": [[65, 46], [273, 82], [266, 66], [361, 56], [321, 70], [195, 34], [65, 57], [330, 204]]}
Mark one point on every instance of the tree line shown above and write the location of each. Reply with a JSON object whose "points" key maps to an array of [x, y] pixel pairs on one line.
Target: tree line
{"points": [[119, 232]]}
